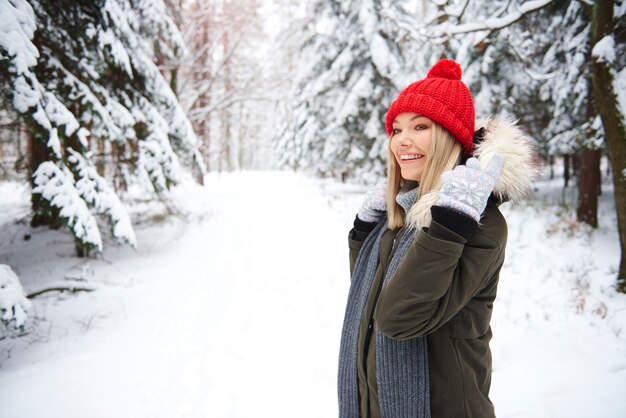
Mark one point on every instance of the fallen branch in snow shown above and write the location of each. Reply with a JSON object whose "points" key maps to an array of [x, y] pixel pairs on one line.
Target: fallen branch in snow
{"points": [[21, 334], [62, 288]]}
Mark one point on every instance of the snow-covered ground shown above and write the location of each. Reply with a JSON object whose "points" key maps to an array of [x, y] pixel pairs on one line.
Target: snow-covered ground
{"points": [[232, 307]]}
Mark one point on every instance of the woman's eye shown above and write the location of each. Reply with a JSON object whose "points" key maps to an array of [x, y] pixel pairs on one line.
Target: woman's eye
{"points": [[421, 127], [395, 132]]}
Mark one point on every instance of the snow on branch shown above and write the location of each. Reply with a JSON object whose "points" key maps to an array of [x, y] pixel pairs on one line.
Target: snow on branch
{"points": [[17, 28], [97, 193], [17, 23], [156, 22], [109, 120], [56, 185], [107, 41], [492, 23], [604, 50], [164, 101], [131, 29], [156, 156]]}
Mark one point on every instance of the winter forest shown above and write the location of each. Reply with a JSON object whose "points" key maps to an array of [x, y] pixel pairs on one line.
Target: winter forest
{"points": [[178, 179]]}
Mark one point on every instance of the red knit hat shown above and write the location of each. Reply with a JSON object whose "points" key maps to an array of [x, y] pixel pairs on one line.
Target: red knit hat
{"points": [[442, 97]]}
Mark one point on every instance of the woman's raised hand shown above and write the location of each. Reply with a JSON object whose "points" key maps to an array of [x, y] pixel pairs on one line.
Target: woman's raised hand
{"points": [[466, 189], [375, 203]]}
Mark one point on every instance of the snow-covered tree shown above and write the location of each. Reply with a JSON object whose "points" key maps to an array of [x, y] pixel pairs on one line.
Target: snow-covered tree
{"points": [[358, 54], [551, 44], [529, 58], [537, 66], [84, 78], [352, 62]]}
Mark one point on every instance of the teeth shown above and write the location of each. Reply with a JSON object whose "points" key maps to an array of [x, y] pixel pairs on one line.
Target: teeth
{"points": [[411, 156]]}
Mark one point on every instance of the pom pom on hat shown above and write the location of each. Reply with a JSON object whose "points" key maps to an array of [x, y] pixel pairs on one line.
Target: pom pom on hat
{"points": [[446, 69], [442, 97]]}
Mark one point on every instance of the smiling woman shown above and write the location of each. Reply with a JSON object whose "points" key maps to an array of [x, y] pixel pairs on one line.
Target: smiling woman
{"points": [[416, 332], [410, 142]]}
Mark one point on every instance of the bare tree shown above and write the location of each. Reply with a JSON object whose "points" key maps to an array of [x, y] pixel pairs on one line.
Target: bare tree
{"points": [[225, 84]]}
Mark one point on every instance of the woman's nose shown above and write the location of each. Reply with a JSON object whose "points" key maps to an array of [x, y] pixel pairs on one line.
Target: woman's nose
{"points": [[403, 139]]}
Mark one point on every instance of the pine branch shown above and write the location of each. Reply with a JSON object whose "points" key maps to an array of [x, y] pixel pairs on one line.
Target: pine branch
{"points": [[529, 67], [492, 24]]}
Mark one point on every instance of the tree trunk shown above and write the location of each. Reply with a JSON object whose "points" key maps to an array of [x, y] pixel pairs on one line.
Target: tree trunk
{"points": [[21, 163], [566, 170], [43, 213], [174, 77], [2, 162], [589, 175], [225, 152], [119, 162], [551, 163], [613, 124], [575, 163], [242, 136], [204, 102], [588, 184], [100, 155]]}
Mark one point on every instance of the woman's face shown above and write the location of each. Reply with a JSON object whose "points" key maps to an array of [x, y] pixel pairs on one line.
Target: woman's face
{"points": [[410, 142]]}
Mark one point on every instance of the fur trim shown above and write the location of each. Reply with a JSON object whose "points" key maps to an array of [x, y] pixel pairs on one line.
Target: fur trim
{"points": [[521, 166], [521, 163]]}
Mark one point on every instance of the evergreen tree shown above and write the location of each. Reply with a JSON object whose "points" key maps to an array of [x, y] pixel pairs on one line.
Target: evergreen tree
{"points": [[353, 64], [84, 79]]}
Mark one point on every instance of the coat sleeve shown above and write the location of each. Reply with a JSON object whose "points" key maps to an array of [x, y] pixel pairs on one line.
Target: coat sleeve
{"points": [[357, 235], [437, 278], [355, 242]]}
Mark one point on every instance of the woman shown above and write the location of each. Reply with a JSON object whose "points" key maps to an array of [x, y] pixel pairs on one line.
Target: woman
{"points": [[425, 255]]}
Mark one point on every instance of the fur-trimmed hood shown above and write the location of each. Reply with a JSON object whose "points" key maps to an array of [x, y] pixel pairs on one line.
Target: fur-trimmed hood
{"points": [[500, 135]]}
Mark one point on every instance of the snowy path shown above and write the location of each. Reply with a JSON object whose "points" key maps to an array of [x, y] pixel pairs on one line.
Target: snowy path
{"points": [[238, 318], [238, 314]]}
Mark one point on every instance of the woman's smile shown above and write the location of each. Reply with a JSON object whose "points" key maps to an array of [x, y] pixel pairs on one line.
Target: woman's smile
{"points": [[409, 158]]}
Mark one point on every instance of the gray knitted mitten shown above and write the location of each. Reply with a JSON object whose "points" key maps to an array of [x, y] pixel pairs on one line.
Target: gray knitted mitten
{"points": [[466, 189], [375, 204]]}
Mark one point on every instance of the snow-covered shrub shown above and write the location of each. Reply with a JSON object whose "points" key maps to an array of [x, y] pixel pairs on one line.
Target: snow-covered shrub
{"points": [[13, 302]]}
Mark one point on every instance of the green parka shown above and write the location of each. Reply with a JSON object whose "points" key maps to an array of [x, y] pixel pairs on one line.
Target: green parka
{"points": [[444, 289]]}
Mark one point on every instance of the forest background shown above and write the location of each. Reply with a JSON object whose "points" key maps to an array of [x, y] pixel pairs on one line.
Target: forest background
{"points": [[99, 98], [111, 109], [106, 105]]}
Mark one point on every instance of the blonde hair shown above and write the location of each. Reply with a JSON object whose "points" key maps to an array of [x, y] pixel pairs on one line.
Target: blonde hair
{"points": [[444, 154]]}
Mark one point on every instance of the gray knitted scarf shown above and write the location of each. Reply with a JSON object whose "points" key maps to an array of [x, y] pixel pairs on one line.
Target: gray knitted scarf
{"points": [[402, 365]]}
